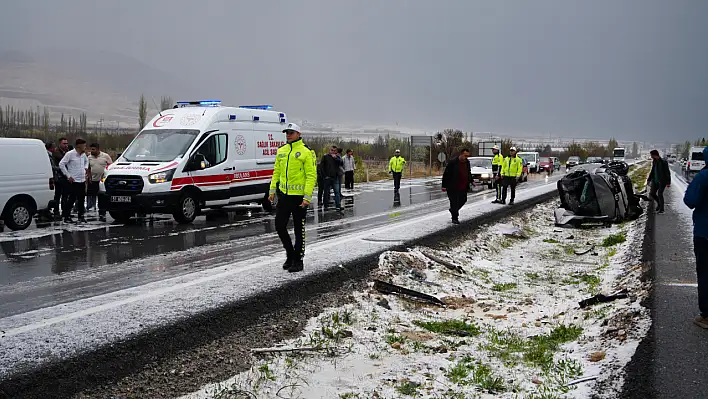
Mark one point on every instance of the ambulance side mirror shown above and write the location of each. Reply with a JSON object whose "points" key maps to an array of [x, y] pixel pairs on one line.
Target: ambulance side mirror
{"points": [[198, 162]]}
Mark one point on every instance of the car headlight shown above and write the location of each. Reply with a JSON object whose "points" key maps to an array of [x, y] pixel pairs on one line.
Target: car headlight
{"points": [[485, 175], [161, 177]]}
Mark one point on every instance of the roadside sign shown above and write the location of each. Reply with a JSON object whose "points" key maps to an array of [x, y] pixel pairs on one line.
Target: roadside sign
{"points": [[420, 141], [485, 148], [441, 157]]}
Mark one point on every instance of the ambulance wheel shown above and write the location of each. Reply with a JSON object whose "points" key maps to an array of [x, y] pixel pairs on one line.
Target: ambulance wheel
{"points": [[121, 216], [187, 209]]}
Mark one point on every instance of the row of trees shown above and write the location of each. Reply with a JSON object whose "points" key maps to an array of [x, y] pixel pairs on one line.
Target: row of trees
{"points": [[15, 121]]}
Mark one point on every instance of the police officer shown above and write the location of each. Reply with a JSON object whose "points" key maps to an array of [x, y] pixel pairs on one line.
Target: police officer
{"points": [[395, 167], [294, 176], [511, 171], [496, 171]]}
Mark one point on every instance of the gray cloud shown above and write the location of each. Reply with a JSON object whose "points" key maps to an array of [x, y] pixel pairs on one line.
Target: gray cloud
{"points": [[635, 69]]}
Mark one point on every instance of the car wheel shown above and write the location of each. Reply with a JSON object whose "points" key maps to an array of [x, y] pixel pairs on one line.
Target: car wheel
{"points": [[18, 215], [187, 209], [121, 216]]}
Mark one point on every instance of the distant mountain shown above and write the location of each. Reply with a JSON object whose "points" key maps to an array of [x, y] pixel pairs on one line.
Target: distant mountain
{"points": [[103, 84]]}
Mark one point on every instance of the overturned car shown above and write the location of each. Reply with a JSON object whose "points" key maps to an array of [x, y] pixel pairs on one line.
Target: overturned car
{"points": [[603, 195]]}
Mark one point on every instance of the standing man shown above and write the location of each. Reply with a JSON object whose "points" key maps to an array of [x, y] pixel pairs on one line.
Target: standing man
{"points": [[395, 167], [340, 155], [511, 171], [330, 167], [497, 162], [61, 186], [98, 162], [456, 181], [349, 168], [696, 198], [75, 166], [659, 178], [294, 177]]}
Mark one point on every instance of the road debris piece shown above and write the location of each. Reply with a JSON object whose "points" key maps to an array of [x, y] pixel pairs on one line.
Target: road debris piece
{"points": [[443, 262], [512, 231], [388, 288], [580, 380], [601, 298], [587, 251], [280, 349]]}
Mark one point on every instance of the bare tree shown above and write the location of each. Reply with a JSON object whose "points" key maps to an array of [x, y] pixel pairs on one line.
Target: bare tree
{"points": [[165, 103], [142, 111]]}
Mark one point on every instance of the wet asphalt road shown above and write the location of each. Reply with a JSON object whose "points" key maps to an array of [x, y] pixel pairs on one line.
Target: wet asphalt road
{"points": [[48, 266]]}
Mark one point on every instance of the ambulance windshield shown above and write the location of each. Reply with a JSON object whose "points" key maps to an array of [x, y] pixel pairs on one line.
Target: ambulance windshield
{"points": [[160, 145]]}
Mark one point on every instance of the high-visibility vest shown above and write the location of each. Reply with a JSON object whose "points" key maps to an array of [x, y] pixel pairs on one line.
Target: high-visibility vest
{"points": [[512, 166], [295, 170], [396, 164]]}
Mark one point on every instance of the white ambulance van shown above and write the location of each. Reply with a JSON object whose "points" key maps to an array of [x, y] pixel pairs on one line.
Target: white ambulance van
{"points": [[197, 155]]}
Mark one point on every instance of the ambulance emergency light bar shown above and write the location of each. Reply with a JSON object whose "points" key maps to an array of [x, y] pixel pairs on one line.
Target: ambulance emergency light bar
{"points": [[256, 106], [203, 103]]}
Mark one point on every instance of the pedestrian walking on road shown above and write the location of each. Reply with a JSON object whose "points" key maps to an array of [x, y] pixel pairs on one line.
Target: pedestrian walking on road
{"points": [[659, 178], [696, 198], [395, 167], [98, 162], [456, 182], [331, 164], [349, 168], [294, 176], [75, 166], [511, 172], [497, 162]]}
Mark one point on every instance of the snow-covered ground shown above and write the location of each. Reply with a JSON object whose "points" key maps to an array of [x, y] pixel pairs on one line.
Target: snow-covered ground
{"points": [[511, 328]]}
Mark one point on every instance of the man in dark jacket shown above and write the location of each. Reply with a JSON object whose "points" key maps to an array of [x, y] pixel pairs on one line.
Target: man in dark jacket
{"points": [[456, 181], [659, 179], [61, 183], [696, 198], [330, 169]]}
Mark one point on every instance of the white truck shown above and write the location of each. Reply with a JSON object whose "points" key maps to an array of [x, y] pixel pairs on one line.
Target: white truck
{"points": [[197, 155], [532, 158], [618, 154]]}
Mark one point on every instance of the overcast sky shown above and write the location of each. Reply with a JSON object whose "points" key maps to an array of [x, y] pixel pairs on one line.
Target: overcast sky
{"points": [[634, 69]]}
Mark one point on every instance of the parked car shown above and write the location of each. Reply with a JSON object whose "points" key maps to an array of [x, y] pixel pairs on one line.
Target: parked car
{"points": [[26, 181], [696, 161], [572, 162], [524, 170], [594, 160], [545, 164], [481, 169]]}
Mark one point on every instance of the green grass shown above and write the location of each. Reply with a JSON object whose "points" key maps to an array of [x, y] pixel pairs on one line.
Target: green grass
{"points": [[614, 239], [505, 242], [501, 287], [612, 252], [449, 327], [393, 338], [591, 280], [409, 388], [551, 241], [537, 350], [349, 395], [533, 276], [469, 372], [569, 249]]}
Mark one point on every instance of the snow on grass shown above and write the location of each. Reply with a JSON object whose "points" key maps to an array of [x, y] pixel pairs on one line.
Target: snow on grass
{"points": [[512, 327]]}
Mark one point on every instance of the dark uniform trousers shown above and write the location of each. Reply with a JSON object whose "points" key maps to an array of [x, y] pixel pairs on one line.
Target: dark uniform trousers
{"points": [[509, 181], [290, 205]]}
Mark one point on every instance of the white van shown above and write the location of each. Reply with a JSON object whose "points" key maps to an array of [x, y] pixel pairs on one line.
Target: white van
{"points": [[26, 181], [532, 159], [695, 160], [195, 156]]}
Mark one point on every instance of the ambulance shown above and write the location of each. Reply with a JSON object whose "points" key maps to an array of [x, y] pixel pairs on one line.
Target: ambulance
{"points": [[198, 155]]}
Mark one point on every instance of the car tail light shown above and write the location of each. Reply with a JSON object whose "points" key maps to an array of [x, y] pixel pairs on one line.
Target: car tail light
{"points": [[51, 183]]}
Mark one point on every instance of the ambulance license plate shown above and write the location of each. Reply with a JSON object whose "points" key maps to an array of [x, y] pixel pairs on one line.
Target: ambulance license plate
{"points": [[121, 198]]}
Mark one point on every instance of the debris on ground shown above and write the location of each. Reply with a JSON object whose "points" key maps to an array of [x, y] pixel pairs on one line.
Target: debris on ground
{"points": [[510, 328]]}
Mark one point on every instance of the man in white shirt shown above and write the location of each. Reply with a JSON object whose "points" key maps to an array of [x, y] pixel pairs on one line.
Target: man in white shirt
{"points": [[75, 167], [349, 168], [98, 162]]}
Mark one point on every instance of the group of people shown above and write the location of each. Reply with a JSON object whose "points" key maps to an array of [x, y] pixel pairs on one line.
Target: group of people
{"points": [[331, 170], [77, 173]]}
